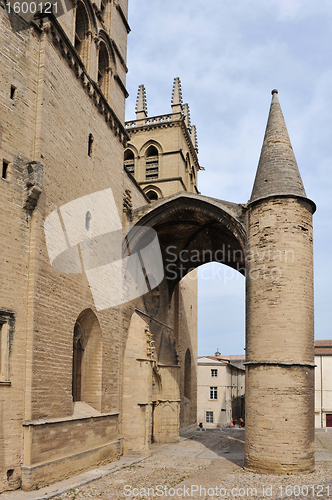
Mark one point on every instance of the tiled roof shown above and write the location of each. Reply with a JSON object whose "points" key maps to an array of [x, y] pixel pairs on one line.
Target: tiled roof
{"points": [[323, 347]]}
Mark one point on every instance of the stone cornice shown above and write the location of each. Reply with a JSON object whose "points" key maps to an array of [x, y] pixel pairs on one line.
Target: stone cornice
{"points": [[60, 40], [123, 17], [165, 179], [121, 85]]}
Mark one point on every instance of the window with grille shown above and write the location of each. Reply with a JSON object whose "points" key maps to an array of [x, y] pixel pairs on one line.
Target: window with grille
{"points": [[214, 372], [129, 161], [209, 417], [151, 163], [213, 393]]}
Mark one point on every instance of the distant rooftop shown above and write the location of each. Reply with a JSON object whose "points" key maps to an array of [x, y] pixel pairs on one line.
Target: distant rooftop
{"points": [[323, 347]]}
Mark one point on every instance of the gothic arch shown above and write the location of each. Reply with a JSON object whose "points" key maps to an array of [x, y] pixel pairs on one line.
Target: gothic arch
{"points": [[149, 143], [153, 189], [200, 230], [87, 360]]}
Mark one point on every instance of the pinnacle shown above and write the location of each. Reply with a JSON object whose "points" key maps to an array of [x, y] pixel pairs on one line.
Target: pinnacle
{"points": [[186, 112], [177, 96], [194, 137], [141, 105], [277, 172]]}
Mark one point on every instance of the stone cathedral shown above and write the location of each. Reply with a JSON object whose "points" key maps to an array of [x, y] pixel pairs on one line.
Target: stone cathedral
{"points": [[86, 373]]}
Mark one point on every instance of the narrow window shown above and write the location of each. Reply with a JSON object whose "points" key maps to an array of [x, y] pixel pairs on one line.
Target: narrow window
{"points": [[81, 31], [77, 362], [187, 375], [209, 417], [129, 161], [213, 393], [90, 145], [103, 68], [87, 221], [5, 166], [214, 373], [6, 324], [12, 92], [151, 163]]}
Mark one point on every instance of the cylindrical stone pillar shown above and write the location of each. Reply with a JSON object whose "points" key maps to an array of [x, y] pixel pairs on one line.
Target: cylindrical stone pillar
{"points": [[279, 436]]}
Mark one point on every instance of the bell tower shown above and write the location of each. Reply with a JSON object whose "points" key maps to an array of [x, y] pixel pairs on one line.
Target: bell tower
{"points": [[162, 153], [279, 311]]}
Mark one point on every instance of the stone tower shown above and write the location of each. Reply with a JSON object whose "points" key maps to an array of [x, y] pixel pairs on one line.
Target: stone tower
{"points": [[162, 151], [279, 314]]}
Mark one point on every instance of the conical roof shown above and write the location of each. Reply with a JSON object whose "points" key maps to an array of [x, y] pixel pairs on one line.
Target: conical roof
{"points": [[277, 172]]}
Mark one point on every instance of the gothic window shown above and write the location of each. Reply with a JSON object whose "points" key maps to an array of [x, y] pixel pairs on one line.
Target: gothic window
{"points": [[103, 68], [187, 375], [129, 161], [151, 163], [82, 32]]}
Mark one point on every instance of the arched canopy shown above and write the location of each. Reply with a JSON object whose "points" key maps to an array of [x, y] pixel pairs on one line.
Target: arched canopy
{"points": [[193, 230]]}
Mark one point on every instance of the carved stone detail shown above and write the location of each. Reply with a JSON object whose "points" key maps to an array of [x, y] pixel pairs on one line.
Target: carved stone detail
{"points": [[34, 184]]}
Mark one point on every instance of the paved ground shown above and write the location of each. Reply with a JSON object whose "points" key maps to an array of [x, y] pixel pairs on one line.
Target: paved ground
{"points": [[207, 466]]}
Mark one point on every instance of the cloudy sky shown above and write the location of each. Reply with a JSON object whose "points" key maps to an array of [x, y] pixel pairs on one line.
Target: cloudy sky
{"points": [[229, 55]]}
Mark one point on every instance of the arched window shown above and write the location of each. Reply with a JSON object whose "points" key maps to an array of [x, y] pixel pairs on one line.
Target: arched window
{"points": [[152, 195], [82, 32], [103, 68], [151, 163], [187, 375], [129, 161], [87, 360]]}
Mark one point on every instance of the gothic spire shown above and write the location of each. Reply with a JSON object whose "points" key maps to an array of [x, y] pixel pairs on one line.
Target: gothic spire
{"points": [[277, 172], [141, 105], [177, 96]]}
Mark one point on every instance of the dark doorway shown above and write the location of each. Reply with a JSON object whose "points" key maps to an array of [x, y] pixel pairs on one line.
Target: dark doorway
{"points": [[329, 420]]}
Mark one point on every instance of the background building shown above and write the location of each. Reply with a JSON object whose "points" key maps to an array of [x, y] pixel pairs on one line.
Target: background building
{"points": [[323, 383], [220, 392]]}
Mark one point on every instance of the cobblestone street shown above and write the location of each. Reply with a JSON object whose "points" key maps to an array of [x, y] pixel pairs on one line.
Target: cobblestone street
{"points": [[208, 465]]}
